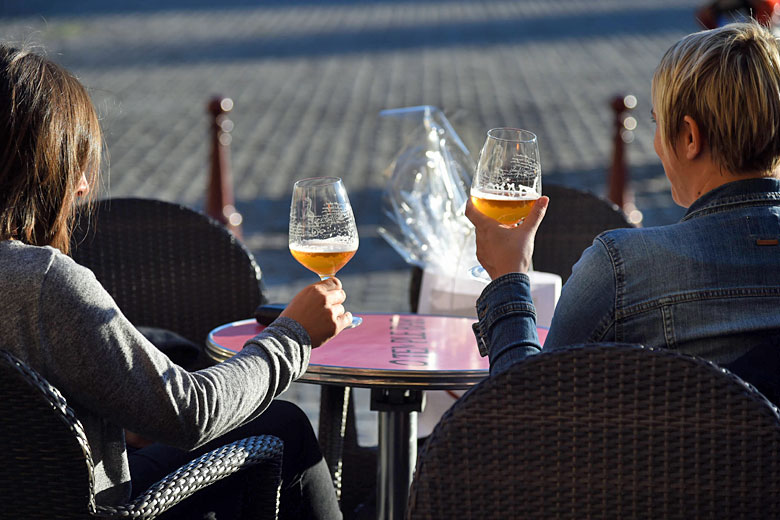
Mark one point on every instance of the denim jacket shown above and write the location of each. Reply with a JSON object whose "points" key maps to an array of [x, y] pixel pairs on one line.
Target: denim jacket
{"points": [[708, 285]]}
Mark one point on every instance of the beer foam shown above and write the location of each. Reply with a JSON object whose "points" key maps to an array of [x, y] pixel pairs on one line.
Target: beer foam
{"points": [[523, 193], [330, 245]]}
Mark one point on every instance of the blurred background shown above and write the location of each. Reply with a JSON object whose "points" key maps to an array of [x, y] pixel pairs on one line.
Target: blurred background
{"points": [[308, 80]]}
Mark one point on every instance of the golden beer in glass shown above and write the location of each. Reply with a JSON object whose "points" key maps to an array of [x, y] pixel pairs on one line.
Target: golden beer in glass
{"points": [[323, 234], [508, 179], [324, 263], [507, 210]]}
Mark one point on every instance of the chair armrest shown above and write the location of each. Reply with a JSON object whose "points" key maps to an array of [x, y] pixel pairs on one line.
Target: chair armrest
{"points": [[205, 470]]}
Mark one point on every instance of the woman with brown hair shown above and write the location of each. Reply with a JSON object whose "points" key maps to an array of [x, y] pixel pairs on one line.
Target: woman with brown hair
{"points": [[57, 318]]}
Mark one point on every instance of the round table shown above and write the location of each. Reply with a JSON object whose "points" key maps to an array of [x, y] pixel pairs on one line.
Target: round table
{"points": [[397, 356]]}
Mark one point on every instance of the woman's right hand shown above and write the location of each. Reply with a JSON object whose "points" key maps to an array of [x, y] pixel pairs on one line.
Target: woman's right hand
{"points": [[506, 249], [319, 308]]}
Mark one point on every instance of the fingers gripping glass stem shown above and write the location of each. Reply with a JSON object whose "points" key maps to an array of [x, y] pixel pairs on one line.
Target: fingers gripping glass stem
{"points": [[323, 234], [356, 320]]}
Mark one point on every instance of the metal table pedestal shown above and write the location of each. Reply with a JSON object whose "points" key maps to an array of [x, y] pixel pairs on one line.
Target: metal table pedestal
{"points": [[398, 409]]}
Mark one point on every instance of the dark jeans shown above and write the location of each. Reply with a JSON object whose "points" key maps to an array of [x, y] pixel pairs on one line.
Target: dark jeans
{"points": [[307, 488]]}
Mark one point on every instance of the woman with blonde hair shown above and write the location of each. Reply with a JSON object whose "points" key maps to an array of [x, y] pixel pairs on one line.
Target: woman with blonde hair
{"points": [[57, 318], [708, 285]]}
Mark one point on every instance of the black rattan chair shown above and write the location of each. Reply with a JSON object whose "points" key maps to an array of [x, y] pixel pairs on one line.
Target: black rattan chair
{"points": [[603, 431], [46, 465], [353, 467], [573, 219], [168, 266]]}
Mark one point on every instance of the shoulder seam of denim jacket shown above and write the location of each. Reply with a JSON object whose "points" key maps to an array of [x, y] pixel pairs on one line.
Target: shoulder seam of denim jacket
{"points": [[602, 328], [693, 296], [666, 319], [734, 202], [608, 242], [602, 336]]}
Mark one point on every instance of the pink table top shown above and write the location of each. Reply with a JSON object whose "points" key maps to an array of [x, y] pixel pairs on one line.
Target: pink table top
{"points": [[437, 352]]}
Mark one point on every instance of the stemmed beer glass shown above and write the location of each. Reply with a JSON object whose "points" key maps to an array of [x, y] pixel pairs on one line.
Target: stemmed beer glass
{"points": [[323, 234], [508, 179]]}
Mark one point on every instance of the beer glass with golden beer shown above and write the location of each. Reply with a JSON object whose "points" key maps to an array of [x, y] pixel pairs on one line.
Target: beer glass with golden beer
{"points": [[508, 179], [323, 234]]}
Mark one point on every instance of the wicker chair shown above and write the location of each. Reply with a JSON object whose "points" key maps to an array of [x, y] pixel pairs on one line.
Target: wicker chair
{"points": [[46, 468], [352, 466], [168, 266], [603, 431], [574, 218]]}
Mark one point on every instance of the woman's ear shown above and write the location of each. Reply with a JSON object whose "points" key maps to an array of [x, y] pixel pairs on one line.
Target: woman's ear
{"points": [[690, 138]]}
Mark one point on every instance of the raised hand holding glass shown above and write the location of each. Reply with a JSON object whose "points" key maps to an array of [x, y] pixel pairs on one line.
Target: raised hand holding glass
{"points": [[508, 178], [323, 236]]}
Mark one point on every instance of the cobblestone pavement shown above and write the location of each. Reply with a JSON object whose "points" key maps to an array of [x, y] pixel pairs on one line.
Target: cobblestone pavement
{"points": [[309, 78]]}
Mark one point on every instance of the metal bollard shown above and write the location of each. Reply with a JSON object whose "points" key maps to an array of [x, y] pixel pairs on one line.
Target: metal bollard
{"points": [[617, 178], [219, 194]]}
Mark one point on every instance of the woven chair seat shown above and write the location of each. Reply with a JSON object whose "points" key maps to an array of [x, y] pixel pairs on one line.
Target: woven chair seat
{"points": [[603, 432], [46, 466]]}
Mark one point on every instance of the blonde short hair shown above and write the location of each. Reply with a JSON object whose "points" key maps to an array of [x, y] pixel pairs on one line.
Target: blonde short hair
{"points": [[728, 81]]}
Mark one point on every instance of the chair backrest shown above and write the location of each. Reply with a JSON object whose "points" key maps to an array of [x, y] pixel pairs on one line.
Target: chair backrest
{"points": [[574, 218], [603, 431], [45, 460], [168, 266]]}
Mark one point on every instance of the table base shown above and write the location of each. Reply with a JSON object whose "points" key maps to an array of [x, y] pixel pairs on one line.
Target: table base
{"points": [[397, 409]]}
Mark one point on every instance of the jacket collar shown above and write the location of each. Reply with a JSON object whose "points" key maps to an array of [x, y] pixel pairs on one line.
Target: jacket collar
{"points": [[737, 193]]}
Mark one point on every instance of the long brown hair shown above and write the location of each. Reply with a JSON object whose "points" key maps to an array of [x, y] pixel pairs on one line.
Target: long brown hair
{"points": [[49, 137]]}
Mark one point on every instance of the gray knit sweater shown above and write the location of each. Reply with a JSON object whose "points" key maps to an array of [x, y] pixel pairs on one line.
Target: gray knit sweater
{"points": [[57, 317]]}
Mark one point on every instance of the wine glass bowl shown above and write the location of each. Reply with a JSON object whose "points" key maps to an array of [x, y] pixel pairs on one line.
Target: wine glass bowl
{"points": [[508, 178], [323, 235]]}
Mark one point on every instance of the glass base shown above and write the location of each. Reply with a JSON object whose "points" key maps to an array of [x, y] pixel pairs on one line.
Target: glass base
{"points": [[478, 273]]}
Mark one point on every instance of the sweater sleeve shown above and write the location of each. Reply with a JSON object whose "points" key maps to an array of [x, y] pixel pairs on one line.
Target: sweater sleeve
{"points": [[97, 358]]}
